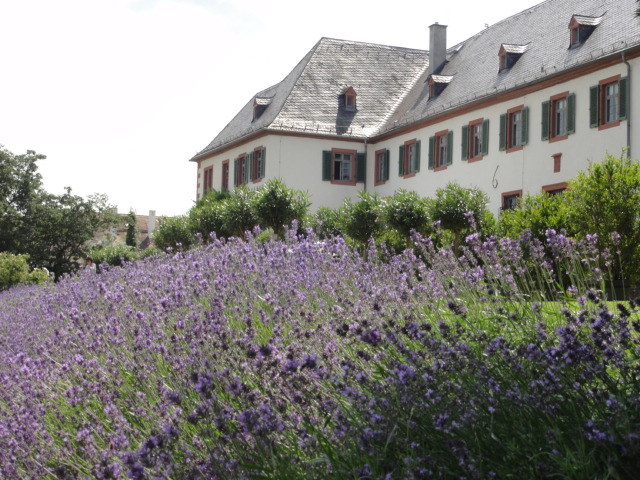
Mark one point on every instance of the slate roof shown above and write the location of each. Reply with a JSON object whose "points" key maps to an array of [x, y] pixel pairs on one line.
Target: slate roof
{"points": [[308, 99], [392, 86], [544, 29]]}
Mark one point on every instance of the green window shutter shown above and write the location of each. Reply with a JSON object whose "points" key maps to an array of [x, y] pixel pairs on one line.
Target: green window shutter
{"points": [[485, 137], [546, 105], [465, 142], [503, 132], [249, 161], [525, 125], [361, 168], [571, 113], [432, 151], [235, 172], [247, 168], [594, 97], [417, 156], [326, 165], [387, 155], [263, 162], [624, 95], [450, 147], [401, 161]]}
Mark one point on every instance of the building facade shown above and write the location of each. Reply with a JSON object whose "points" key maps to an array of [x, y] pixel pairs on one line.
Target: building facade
{"points": [[520, 107]]}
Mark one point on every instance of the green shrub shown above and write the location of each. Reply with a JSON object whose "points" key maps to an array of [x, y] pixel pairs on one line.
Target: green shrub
{"points": [[362, 219], [114, 255], [276, 206], [14, 270], [239, 215], [173, 232], [329, 222], [606, 199], [208, 215], [406, 211], [536, 214]]}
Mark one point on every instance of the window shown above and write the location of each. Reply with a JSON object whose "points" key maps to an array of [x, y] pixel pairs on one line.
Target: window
{"points": [[225, 175], [514, 127], [208, 179], [343, 166], [511, 200], [382, 167], [608, 102], [508, 55], [440, 150], [349, 99], [475, 140], [259, 156], [555, 189], [580, 28], [241, 169], [260, 104], [558, 117], [437, 83], [409, 158]]}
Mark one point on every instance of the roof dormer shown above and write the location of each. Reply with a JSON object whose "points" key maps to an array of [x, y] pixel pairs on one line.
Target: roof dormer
{"points": [[437, 83], [348, 99], [260, 104], [580, 28], [509, 55]]}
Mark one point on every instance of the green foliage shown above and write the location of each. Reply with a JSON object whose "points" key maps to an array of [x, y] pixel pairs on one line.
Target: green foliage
{"points": [[60, 227], [451, 205], [208, 215], [406, 211], [53, 230], [328, 222], [239, 215], [173, 232], [537, 213], [20, 189], [276, 206], [132, 230], [14, 270], [604, 200], [114, 255], [362, 219]]}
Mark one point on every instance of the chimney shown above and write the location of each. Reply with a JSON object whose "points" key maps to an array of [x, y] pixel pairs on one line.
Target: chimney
{"points": [[437, 47], [152, 221]]}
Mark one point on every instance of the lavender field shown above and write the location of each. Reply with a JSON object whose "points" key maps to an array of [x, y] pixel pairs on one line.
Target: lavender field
{"points": [[303, 359]]}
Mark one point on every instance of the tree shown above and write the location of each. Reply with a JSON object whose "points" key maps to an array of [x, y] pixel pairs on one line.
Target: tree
{"points": [[53, 230], [20, 189], [453, 205], [132, 230], [239, 215], [61, 226], [276, 206], [362, 219], [406, 211], [606, 199]]}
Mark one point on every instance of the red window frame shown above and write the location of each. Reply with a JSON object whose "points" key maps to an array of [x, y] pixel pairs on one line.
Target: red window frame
{"points": [[510, 140], [224, 184], [439, 157], [471, 156], [555, 188], [506, 195], [207, 181], [602, 99], [380, 157], [255, 171], [407, 161], [553, 105], [354, 165]]}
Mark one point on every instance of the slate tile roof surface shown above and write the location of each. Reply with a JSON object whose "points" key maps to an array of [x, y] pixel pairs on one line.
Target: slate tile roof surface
{"points": [[391, 82]]}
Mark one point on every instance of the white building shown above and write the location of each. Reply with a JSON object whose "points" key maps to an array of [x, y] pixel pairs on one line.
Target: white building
{"points": [[520, 107]]}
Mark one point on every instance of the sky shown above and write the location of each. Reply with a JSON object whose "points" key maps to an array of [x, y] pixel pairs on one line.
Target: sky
{"points": [[120, 94]]}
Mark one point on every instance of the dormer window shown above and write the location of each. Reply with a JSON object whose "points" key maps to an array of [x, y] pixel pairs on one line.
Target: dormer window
{"points": [[349, 96], [580, 28], [260, 104], [437, 83], [509, 55]]}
